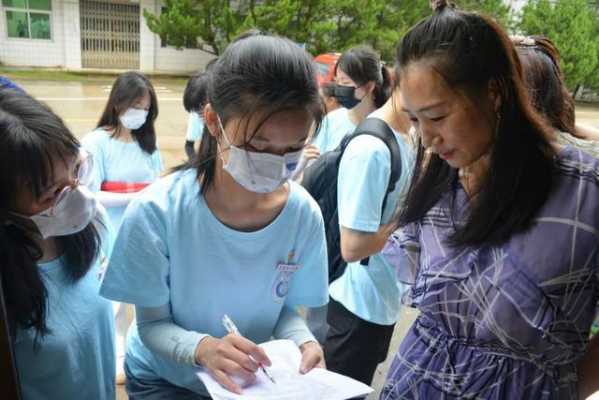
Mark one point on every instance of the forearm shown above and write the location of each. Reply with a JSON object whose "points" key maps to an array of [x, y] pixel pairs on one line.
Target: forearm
{"points": [[587, 132], [293, 327], [356, 245], [162, 336]]}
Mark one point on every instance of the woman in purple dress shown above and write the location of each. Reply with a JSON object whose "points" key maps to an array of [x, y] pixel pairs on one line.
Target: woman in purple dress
{"points": [[500, 230]]}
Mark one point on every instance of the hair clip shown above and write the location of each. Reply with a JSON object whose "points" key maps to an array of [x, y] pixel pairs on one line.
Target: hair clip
{"points": [[521, 40]]}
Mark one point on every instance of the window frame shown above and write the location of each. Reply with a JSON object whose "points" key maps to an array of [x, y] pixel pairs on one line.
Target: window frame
{"points": [[28, 11]]}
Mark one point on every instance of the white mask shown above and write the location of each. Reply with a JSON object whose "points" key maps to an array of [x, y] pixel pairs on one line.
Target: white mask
{"points": [[71, 214], [133, 118], [259, 172]]}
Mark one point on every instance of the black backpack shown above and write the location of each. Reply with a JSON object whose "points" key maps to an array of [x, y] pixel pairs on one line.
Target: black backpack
{"points": [[320, 180]]}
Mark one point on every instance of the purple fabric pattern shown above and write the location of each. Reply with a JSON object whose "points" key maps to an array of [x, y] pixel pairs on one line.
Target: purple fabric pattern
{"points": [[505, 322]]}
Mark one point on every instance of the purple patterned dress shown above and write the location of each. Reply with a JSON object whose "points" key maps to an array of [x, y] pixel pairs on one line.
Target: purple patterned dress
{"points": [[506, 322]]}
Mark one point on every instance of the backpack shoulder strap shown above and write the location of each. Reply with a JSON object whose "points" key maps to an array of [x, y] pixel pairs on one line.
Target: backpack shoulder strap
{"points": [[378, 128]]}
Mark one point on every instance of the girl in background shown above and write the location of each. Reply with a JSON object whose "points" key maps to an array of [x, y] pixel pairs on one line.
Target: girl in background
{"points": [[194, 99], [126, 160], [362, 85]]}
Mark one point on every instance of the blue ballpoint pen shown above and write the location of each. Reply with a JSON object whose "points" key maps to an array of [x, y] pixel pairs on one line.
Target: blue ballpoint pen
{"points": [[231, 328]]}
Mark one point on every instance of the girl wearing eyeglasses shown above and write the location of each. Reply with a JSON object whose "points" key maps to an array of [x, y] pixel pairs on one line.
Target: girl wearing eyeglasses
{"points": [[53, 243]]}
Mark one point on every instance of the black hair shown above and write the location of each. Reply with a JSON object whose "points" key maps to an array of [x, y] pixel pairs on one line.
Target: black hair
{"points": [[471, 53], [328, 89], [362, 64], [257, 72], [545, 81], [32, 138], [194, 96], [127, 88]]}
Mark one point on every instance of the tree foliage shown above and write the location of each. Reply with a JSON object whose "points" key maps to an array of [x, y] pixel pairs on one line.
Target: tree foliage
{"points": [[573, 25], [336, 25]]}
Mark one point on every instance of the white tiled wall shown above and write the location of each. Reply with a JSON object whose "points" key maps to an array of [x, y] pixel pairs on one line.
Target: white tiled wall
{"points": [[34, 52], [155, 58], [72, 34], [147, 40], [169, 59], [64, 49]]}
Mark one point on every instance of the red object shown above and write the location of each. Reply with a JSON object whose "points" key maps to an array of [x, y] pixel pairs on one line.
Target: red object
{"points": [[325, 64], [123, 187]]}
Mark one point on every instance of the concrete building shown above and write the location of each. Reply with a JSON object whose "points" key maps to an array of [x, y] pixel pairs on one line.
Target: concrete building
{"points": [[97, 34]]}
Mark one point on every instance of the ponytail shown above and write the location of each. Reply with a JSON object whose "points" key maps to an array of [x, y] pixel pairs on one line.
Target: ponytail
{"points": [[382, 89]]}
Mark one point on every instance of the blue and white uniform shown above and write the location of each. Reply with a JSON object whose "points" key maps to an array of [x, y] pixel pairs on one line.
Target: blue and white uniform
{"points": [[172, 251], [195, 127], [334, 127], [116, 161], [76, 359], [371, 292]]}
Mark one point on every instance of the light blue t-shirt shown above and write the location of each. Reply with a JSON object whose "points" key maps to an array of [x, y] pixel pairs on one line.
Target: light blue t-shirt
{"points": [[76, 359], [334, 127], [116, 161], [195, 127], [371, 292], [172, 250]]}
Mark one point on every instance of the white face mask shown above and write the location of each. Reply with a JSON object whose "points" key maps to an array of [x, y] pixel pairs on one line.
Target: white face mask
{"points": [[71, 214], [259, 172], [133, 118]]}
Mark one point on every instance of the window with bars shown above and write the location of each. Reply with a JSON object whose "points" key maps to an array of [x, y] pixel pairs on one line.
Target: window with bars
{"points": [[28, 19]]}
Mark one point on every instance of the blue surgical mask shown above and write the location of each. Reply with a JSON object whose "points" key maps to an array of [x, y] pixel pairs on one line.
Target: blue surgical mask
{"points": [[259, 172]]}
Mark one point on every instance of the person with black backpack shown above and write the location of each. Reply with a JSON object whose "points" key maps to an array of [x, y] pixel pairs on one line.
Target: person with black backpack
{"points": [[359, 187], [362, 85]]}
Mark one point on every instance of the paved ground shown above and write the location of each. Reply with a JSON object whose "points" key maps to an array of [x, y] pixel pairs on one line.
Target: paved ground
{"points": [[80, 105]]}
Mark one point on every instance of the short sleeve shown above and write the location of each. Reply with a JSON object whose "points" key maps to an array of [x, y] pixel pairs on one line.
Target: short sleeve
{"points": [[139, 267], [362, 183], [309, 285], [322, 136], [93, 143], [402, 252]]}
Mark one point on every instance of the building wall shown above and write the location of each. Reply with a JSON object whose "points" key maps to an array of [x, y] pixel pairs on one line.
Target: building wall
{"points": [[72, 34], [147, 45], [35, 52], [63, 50], [169, 59]]}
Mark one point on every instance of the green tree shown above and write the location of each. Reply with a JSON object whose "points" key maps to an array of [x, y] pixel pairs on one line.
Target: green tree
{"points": [[322, 25], [573, 26], [214, 22], [497, 9]]}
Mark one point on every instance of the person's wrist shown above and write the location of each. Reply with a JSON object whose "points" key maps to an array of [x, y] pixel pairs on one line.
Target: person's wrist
{"points": [[308, 344], [201, 349]]}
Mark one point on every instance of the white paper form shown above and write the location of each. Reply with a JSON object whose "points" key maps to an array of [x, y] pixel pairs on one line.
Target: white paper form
{"points": [[290, 384]]}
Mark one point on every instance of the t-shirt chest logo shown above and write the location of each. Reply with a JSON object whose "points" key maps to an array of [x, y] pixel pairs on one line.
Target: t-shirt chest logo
{"points": [[280, 286]]}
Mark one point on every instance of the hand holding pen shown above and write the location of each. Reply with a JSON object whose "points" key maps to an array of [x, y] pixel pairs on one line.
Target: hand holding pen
{"points": [[229, 358], [232, 329]]}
